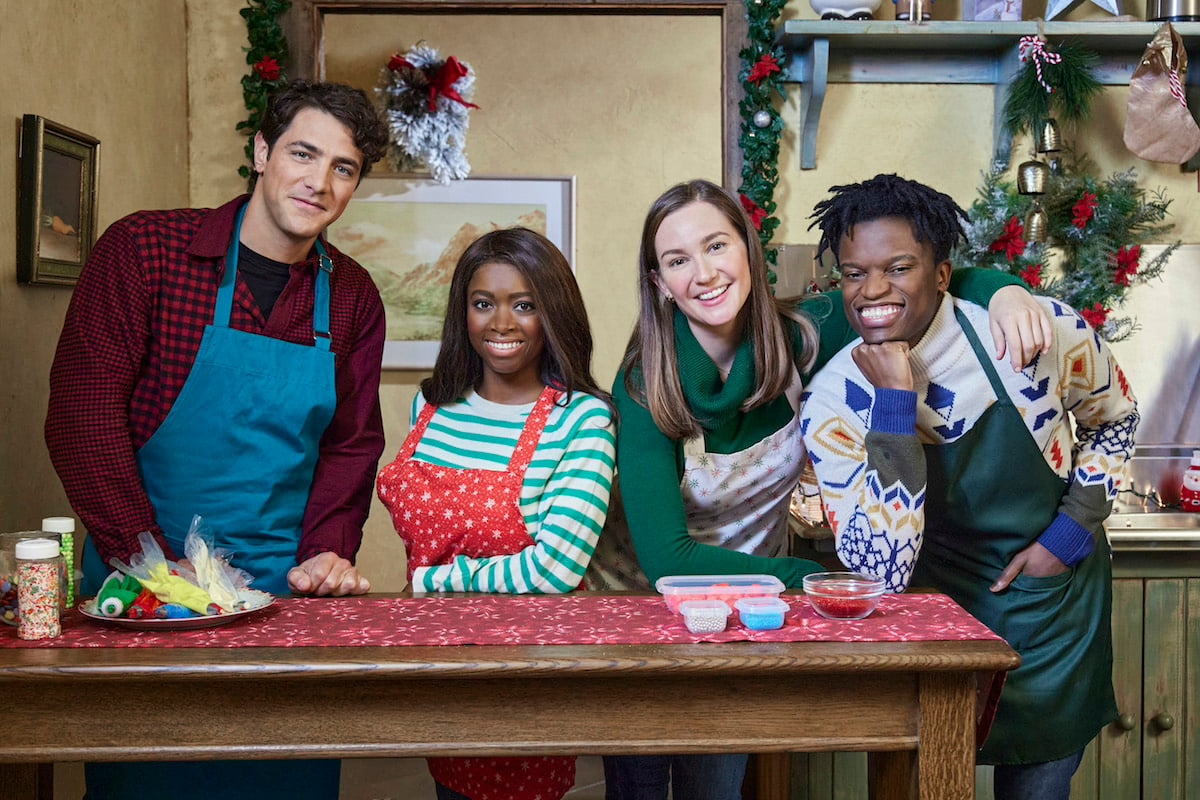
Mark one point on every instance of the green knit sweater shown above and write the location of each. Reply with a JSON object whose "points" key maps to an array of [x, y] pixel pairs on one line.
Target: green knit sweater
{"points": [[650, 464]]}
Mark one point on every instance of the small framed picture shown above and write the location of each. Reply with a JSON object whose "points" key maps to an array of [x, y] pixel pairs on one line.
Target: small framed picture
{"points": [[409, 232], [991, 10], [56, 201]]}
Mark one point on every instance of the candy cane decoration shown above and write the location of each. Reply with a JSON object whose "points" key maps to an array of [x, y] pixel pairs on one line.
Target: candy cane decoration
{"points": [[1033, 48], [1176, 86]]}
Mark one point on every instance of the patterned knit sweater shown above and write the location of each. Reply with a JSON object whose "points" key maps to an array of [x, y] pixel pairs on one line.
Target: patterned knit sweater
{"points": [[564, 496], [866, 443]]}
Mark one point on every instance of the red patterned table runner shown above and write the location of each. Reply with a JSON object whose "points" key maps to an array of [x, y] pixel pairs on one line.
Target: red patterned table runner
{"points": [[516, 620]]}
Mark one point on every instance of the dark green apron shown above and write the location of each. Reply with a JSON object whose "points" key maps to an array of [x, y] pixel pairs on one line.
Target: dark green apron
{"points": [[990, 494]]}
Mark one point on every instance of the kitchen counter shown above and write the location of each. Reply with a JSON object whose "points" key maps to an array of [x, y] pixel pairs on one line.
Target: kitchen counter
{"points": [[1153, 530]]}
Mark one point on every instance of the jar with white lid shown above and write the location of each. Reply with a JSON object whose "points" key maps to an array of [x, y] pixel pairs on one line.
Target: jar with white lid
{"points": [[39, 593], [10, 613]]}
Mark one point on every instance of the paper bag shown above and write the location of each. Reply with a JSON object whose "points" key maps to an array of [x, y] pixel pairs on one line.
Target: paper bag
{"points": [[1158, 124]]}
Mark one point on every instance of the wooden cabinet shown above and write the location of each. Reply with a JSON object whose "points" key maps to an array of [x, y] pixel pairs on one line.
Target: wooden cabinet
{"points": [[1152, 750], [821, 52]]}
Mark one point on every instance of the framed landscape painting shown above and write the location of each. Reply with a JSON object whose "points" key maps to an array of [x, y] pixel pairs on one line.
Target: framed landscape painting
{"points": [[409, 233]]}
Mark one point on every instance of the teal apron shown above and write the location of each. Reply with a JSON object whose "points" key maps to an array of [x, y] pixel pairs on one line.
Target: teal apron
{"points": [[238, 447], [990, 494]]}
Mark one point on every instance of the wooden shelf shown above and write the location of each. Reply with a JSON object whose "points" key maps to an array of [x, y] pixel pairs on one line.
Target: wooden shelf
{"points": [[821, 52]]}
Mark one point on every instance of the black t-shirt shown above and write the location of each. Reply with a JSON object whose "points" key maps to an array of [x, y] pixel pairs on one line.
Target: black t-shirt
{"points": [[265, 277]]}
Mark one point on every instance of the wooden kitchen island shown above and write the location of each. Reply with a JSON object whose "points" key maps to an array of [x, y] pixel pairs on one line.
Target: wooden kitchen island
{"points": [[912, 703]]}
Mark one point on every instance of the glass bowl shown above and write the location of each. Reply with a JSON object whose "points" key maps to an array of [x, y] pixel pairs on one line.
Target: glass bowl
{"points": [[842, 595]]}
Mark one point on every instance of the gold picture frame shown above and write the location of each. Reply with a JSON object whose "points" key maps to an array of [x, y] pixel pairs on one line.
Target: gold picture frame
{"points": [[56, 201]]}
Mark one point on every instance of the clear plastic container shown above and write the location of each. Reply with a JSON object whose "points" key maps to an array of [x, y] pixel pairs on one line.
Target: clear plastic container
{"points": [[39, 591], [9, 611], [675, 589], [705, 616], [762, 613]]}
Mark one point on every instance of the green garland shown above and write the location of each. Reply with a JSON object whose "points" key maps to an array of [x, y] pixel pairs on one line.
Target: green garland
{"points": [[266, 55], [761, 75]]}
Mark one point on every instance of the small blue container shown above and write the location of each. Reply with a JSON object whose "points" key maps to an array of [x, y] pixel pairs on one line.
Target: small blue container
{"points": [[762, 613]]}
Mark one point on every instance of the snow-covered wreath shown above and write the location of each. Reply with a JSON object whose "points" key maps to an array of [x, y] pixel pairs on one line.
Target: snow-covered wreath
{"points": [[425, 101]]}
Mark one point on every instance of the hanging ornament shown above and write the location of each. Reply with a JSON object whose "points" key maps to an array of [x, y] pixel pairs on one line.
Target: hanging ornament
{"points": [[1049, 138], [762, 118], [1032, 177], [424, 101], [1037, 223]]}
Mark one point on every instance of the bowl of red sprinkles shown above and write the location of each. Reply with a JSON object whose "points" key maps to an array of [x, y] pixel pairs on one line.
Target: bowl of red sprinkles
{"points": [[842, 595]]}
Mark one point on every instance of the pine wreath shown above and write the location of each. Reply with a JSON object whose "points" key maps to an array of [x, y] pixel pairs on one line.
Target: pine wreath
{"points": [[1092, 255]]}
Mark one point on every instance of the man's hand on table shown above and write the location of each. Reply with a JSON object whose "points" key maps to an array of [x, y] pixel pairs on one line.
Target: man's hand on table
{"points": [[327, 574]]}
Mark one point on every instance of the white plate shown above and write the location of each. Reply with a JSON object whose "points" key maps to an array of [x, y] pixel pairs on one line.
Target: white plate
{"points": [[260, 599]]}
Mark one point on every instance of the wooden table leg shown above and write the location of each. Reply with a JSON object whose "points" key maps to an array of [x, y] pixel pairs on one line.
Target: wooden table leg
{"points": [[943, 766], [946, 755]]}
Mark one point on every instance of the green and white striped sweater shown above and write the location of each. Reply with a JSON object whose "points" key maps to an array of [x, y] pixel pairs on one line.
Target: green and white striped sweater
{"points": [[564, 496]]}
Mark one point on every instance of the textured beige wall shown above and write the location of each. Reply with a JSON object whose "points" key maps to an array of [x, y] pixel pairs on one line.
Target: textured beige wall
{"points": [[216, 62], [114, 70]]}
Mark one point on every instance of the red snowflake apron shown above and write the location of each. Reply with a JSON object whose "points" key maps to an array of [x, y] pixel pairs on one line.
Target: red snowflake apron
{"points": [[426, 503]]}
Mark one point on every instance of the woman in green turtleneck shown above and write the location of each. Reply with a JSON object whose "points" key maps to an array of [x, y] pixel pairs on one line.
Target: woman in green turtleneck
{"points": [[708, 441]]}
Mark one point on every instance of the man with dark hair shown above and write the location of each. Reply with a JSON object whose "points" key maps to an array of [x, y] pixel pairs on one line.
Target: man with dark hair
{"points": [[939, 469], [225, 362]]}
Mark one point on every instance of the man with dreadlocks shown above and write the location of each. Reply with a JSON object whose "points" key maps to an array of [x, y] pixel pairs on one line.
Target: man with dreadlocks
{"points": [[939, 469]]}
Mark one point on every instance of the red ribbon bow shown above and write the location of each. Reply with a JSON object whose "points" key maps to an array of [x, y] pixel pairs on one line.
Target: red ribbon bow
{"points": [[441, 81]]}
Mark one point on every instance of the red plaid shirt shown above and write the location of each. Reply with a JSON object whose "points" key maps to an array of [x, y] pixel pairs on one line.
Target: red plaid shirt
{"points": [[132, 331]]}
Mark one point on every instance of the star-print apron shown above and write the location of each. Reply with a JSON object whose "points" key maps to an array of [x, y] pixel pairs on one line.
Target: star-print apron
{"points": [[990, 494], [423, 499], [238, 447]]}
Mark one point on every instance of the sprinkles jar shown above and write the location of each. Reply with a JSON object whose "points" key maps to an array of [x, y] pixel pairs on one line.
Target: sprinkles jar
{"points": [[9, 608], [39, 571]]}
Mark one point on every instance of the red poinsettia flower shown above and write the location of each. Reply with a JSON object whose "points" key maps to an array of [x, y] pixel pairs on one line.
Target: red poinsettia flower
{"points": [[1032, 275], [762, 68], [1126, 261], [1010, 242], [755, 211], [267, 69], [1083, 210], [1096, 316]]}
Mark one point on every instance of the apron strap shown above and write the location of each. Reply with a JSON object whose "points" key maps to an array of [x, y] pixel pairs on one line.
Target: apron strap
{"points": [[225, 291], [321, 337], [982, 355], [224, 306], [534, 423], [526, 444], [418, 430]]}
